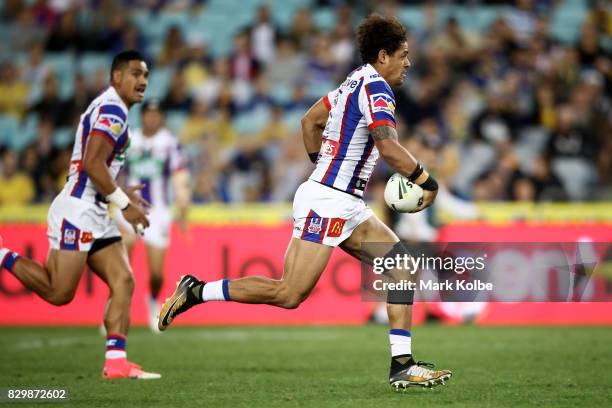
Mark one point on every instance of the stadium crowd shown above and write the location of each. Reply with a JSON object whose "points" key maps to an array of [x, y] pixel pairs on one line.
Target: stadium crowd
{"points": [[499, 111]]}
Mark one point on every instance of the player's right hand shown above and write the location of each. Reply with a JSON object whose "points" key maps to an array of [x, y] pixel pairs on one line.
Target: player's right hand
{"points": [[428, 199], [135, 215]]}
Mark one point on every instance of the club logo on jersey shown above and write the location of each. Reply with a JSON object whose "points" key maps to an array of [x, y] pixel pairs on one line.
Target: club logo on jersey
{"points": [[110, 124], [329, 148], [335, 227], [381, 102], [70, 236], [315, 226]]}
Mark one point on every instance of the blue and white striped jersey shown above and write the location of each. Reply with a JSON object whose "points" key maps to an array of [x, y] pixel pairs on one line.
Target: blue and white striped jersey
{"points": [[105, 117], [348, 154]]}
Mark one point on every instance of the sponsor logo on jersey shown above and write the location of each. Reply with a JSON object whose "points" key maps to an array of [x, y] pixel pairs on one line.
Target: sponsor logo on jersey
{"points": [[70, 236], [315, 225], [382, 102], [335, 227], [86, 237], [329, 148]]}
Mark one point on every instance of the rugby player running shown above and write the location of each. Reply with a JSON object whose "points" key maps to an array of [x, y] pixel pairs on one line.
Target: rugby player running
{"points": [[344, 133], [80, 230]]}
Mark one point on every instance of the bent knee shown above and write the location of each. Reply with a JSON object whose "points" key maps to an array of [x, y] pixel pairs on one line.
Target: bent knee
{"points": [[290, 299], [61, 298]]}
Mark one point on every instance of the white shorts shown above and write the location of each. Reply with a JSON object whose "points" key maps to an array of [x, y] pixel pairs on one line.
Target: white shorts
{"points": [[158, 232], [326, 216], [74, 224]]}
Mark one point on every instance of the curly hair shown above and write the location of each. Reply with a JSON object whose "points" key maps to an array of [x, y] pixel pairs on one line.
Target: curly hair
{"points": [[377, 33]]}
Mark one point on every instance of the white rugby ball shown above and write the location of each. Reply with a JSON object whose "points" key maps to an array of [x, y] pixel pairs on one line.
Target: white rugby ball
{"points": [[402, 195]]}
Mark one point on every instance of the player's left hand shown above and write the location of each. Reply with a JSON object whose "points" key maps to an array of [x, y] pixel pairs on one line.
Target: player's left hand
{"points": [[428, 199], [132, 193]]}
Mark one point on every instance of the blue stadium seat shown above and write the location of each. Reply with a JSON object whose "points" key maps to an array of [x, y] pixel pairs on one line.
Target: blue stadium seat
{"points": [[412, 17], [281, 93], [319, 89], [251, 122], [9, 129], [159, 81], [91, 62], [62, 137], [29, 127], [567, 20], [324, 18]]}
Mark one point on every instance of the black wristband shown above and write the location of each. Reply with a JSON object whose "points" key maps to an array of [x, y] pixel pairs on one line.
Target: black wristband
{"points": [[416, 173], [126, 207], [313, 157], [430, 184]]}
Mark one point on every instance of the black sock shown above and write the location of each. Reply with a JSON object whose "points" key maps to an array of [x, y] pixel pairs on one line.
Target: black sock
{"points": [[400, 362]]}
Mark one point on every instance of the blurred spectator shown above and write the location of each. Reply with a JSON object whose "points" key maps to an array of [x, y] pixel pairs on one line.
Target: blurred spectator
{"points": [[299, 101], [260, 101], [51, 106], [225, 101], [343, 46], [35, 70], [209, 89], [79, 101], [243, 65], [459, 46], [11, 10], [26, 32], [204, 190], [13, 91], [66, 36], [178, 98], [302, 29], [589, 49], [44, 14], [202, 124], [600, 17], [247, 173], [196, 65], [275, 132], [16, 187], [572, 152], [129, 39], [173, 50], [263, 35], [288, 66], [321, 68], [495, 124], [522, 20]]}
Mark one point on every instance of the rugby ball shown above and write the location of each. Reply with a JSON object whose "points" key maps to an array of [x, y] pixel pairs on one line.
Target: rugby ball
{"points": [[402, 195]]}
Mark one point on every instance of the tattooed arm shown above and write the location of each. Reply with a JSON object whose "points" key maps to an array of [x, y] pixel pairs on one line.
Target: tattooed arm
{"points": [[400, 159]]}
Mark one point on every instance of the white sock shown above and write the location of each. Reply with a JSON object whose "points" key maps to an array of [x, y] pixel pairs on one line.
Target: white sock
{"points": [[3, 253], [401, 342], [217, 290], [113, 354]]}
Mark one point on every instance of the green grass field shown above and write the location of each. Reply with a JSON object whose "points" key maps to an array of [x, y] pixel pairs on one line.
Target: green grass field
{"points": [[317, 366]]}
